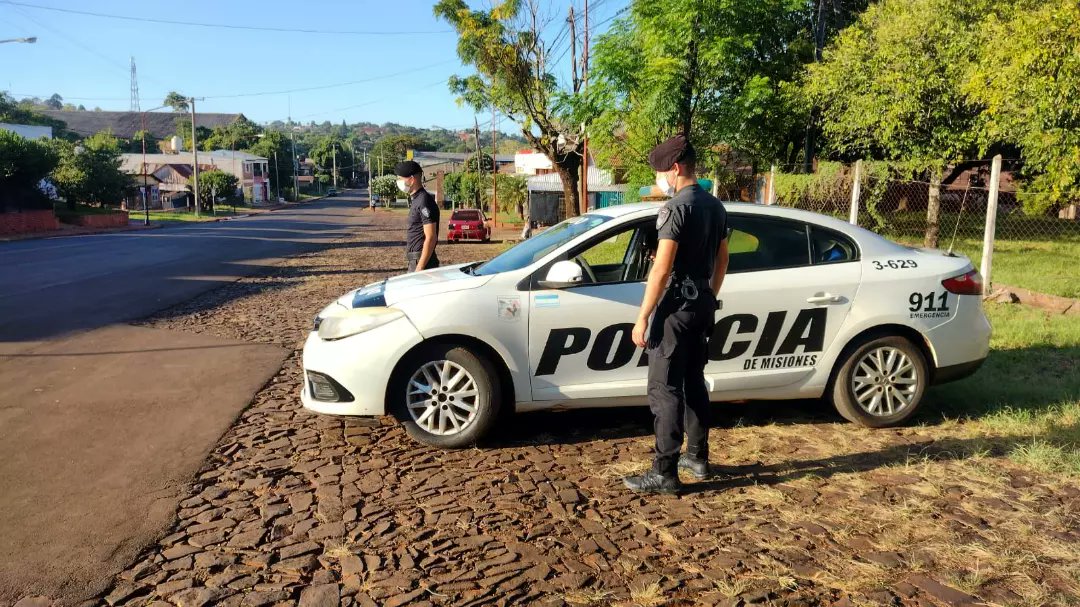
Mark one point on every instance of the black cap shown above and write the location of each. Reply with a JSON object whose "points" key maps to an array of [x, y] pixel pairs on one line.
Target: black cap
{"points": [[665, 155], [407, 169]]}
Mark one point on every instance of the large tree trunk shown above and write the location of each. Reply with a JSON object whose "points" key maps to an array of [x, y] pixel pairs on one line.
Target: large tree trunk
{"points": [[933, 210], [568, 172]]}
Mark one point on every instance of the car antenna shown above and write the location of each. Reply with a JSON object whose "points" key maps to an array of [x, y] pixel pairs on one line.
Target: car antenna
{"points": [[959, 217]]}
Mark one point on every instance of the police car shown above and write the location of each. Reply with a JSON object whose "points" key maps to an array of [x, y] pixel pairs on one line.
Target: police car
{"points": [[811, 307]]}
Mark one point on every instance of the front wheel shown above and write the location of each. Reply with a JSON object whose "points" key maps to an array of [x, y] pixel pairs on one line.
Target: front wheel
{"points": [[447, 396], [881, 383]]}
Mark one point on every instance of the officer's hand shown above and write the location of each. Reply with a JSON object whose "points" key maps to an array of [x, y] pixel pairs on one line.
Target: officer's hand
{"points": [[639, 333]]}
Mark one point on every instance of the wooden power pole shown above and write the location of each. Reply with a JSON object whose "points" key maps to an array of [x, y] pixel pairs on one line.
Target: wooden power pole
{"points": [[494, 175], [479, 167], [585, 135]]}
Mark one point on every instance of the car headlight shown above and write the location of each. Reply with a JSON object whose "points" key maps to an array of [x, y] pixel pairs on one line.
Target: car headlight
{"points": [[356, 321]]}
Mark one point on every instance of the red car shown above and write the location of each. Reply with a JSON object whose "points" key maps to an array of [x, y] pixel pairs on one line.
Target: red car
{"points": [[468, 224]]}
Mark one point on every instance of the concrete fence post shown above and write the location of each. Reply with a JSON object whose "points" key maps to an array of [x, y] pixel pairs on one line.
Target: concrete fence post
{"points": [[856, 191], [991, 224], [771, 198]]}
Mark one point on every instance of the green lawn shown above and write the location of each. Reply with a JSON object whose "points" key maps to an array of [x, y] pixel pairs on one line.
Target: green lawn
{"points": [[188, 216], [1028, 390]]}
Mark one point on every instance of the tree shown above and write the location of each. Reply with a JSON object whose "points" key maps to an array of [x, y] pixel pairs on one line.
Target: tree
{"points": [[239, 135], [718, 70], [55, 102], [135, 144], [392, 149], [513, 194], [486, 164], [177, 102], [23, 164], [1028, 78], [385, 187], [90, 170], [214, 183], [505, 47], [892, 86], [323, 153], [13, 112]]}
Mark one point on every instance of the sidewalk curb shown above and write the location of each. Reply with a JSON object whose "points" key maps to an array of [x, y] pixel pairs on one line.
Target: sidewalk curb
{"points": [[52, 234], [1050, 303]]}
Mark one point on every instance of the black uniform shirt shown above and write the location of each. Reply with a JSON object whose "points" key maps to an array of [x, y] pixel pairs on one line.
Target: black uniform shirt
{"points": [[422, 211], [698, 222]]}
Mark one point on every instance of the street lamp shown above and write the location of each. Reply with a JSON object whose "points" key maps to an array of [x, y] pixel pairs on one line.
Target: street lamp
{"points": [[30, 40]]}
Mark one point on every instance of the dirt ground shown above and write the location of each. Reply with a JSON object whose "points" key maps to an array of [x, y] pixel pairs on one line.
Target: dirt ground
{"points": [[294, 507]]}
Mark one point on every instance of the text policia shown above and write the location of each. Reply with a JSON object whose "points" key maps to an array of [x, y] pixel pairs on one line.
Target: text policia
{"points": [[732, 338]]}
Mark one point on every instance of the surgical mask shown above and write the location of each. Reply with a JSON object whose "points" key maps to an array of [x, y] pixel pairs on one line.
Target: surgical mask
{"points": [[401, 186], [665, 187]]}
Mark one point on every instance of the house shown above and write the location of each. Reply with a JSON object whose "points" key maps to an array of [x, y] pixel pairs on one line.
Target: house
{"points": [[546, 199], [532, 162], [173, 171], [437, 164], [29, 131], [125, 124]]}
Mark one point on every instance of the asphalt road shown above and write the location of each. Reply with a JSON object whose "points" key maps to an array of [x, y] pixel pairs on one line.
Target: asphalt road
{"points": [[55, 286]]}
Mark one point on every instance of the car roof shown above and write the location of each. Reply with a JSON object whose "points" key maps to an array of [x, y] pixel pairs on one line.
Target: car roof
{"points": [[742, 208]]}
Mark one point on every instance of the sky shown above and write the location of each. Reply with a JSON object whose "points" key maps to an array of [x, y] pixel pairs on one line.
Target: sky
{"points": [[390, 65]]}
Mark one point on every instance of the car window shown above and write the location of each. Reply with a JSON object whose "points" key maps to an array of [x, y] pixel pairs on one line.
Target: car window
{"points": [[760, 243], [610, 250], [621, 256], [828, 246], [465, 216], [532, 250]]}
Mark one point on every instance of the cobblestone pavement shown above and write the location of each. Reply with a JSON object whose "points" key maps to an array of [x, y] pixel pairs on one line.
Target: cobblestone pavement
{"points": [[294, 507]]}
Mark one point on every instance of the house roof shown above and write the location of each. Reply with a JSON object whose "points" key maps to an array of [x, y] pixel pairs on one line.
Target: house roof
{"points": [[126, 124], [438, 157]]}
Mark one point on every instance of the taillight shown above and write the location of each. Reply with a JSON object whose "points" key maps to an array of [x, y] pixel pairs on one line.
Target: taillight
{"points": [[970, 283]]}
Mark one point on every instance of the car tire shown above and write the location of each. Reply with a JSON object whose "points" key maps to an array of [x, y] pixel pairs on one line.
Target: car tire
{"points": [[863, 394], [454, 376]]}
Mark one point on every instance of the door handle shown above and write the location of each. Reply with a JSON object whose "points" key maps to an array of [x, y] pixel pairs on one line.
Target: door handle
{"points": [[824, 298]]}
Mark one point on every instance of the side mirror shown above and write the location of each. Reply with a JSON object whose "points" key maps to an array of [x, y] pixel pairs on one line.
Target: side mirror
{"points": [[562, 275]]}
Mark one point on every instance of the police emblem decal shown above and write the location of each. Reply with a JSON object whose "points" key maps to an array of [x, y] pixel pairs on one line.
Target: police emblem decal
{"points": [[662, 217], [425, 212]]}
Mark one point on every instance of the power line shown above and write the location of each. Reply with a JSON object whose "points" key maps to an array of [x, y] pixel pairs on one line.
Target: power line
{"points": [[335, 85], [289, 30]]}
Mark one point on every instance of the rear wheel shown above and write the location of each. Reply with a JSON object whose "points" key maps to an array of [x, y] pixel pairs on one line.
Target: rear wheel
{"points": [[881, 383], [447, 396]]}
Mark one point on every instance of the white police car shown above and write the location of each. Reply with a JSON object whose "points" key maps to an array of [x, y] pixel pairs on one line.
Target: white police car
{"points": [[811, 307]]}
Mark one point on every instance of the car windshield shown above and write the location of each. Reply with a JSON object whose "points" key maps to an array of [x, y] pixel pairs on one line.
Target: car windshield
{"points": [[465, 216], [531, 250]]}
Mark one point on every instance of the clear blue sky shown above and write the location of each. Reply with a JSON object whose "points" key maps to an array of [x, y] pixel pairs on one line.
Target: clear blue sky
{"points": [[86, 58]]}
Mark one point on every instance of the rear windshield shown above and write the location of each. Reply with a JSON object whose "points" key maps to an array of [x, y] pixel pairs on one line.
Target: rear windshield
{"points": [[466, 216]]}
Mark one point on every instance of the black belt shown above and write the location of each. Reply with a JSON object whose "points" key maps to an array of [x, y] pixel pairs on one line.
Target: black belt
{"points": [[689, 288]]}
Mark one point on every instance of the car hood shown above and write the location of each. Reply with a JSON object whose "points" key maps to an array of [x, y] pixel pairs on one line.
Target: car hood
{"points": [[431, 282]]}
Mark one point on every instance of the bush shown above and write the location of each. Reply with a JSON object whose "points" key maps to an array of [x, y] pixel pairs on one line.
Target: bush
{"points": [[23, 164], [385, 187]]}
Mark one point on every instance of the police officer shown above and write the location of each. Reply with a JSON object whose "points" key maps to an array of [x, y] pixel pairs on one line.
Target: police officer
{"points": [[690, 264], [422, 231]]}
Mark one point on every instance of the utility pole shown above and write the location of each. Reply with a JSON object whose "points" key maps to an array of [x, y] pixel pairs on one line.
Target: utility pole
{"points": [[195, 157], [277, 177], [494, 175], [479, 165], [335, 164], [573, 49], [585, 134]]}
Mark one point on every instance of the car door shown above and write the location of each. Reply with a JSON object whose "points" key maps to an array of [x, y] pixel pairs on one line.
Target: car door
{"points": [[580, 342], [789, 289]]}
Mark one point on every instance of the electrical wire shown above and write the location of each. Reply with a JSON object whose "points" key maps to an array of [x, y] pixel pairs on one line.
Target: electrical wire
{"points": [[335, 85], [254, 28]]}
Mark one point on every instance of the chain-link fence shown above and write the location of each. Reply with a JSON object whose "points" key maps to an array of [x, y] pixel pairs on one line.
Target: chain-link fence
{"points": [[1037, 240]]}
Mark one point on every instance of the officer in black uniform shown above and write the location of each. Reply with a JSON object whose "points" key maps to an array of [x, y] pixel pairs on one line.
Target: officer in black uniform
{"points": [[422, 231], [690, 264]]}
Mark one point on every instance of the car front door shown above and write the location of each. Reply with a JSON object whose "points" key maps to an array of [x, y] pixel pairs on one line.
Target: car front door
{"points": [[789, 288], [580, 342]]}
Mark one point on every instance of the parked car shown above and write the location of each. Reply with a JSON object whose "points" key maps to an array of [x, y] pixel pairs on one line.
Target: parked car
{"points": [[811, 307], [468, 224], [331, 191]]}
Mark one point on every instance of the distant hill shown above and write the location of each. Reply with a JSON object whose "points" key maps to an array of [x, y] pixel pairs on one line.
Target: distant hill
{"points": [[125, 124]]}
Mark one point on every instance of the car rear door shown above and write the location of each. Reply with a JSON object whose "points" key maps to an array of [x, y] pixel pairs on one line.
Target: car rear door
{"points": [[789, 289]]}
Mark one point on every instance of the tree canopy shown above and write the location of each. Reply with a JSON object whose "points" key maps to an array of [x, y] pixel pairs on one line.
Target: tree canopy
{"points": [[177, 102], [89, 171]]}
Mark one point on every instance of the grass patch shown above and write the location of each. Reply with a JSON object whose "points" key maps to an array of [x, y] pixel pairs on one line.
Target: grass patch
{"points": [[158, 216], [1028, 390]]}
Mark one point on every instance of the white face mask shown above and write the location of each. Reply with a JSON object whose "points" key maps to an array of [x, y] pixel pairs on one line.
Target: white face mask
{"points": [[401, 186], [665, 187]]}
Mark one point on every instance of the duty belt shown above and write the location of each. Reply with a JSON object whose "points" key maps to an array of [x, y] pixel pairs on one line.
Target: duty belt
{"points": [[689, 288]]}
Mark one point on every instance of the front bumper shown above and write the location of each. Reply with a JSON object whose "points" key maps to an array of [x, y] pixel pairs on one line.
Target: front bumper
{"points": [[362, 364], [459, 234]]}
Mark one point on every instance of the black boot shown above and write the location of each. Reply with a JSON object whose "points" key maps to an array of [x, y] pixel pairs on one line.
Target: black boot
{"points": [[653, 482], [697, 467]]}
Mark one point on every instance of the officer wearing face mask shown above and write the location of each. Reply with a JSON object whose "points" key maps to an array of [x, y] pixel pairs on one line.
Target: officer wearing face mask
{"points": [[677, 316], [422, 231]]}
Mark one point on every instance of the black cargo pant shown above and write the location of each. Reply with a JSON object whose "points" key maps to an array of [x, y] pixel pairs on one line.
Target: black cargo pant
{"points": [[678, 350], [413, 258]]}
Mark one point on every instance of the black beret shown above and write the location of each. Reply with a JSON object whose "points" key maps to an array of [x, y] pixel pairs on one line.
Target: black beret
{"points": [[407, 169], [665, 155]]}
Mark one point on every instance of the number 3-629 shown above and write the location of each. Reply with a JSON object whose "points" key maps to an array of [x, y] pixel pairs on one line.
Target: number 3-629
{"points": [[895, 264]]}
